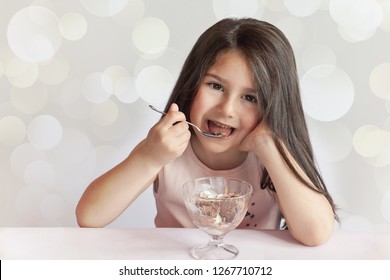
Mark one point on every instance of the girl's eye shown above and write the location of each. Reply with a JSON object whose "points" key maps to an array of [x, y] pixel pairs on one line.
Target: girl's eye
{"points": [[250, 98], [216, 86]]}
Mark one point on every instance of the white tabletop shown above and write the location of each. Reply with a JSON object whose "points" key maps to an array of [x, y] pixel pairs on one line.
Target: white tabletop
{"points": [[169, 243]]}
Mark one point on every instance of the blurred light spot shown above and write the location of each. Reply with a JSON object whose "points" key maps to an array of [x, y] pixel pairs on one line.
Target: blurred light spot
{"points": [[12, 131], [383, 158], [33, 34], [73, 26], [356, 223], [74, 172], [274, 5], [22, 156], [1, 69], [382, 178], [387, 122], [53, 206], [74, 147], [44, 132], [292, 28], [234, 8], [125, 90], [171, 59], [72, 101], [40, 173], [331, 141], [54, 71], [107, 157], [123, 84], [354, 35], [6, 56], [378, 140], [380, 81], [29, 100], [327, 93], [385, 206], [317, 54], [361, 143], [373, 144], [388, 107], [116, 72], [132, 13], [325, 5], [97, 87], [28, 202], [105, 113], [154, 84], [21, 73], [44, 3], [104, 8], [302, 8], [385, 24], [357, 19], [370, 141], [117, 130], [151, 36]]}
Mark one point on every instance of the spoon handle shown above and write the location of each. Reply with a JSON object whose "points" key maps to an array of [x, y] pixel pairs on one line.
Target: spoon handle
{"points": [[157, 110], [163, 113]]}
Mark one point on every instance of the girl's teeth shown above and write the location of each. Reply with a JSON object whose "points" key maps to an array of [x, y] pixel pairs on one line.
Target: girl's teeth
{"points": [[220, 129]]}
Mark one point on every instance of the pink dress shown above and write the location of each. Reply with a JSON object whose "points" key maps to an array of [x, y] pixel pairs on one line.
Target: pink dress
{"points": [[263, 211]]}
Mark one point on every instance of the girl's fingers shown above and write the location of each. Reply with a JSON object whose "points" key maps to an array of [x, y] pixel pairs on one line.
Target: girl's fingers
{"points": [[173, 118], [173, 108]]}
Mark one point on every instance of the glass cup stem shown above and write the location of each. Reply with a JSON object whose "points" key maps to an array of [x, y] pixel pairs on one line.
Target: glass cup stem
{"points": [[216, 240], [215, 249]]}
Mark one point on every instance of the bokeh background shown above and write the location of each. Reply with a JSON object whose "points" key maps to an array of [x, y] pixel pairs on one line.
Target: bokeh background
{"points": [[76, 77]]}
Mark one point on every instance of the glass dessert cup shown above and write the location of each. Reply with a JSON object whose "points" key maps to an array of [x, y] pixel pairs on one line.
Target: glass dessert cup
{"points": [[216, 205]]}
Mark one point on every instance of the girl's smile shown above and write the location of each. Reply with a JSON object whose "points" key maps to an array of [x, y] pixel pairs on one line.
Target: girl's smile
{"points": [[218, 128]]}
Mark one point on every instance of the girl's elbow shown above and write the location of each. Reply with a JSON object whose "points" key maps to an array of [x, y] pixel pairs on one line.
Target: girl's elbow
{"points": [[84, 222], [83, 219], [314, 235], [316, 239]]}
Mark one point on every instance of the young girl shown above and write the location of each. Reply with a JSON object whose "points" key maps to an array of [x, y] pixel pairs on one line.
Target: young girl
{"points": [[239, 80]]}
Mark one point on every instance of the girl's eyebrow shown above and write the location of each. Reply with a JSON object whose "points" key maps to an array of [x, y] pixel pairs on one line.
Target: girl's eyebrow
{"points": [[219, 78], [216, 77]]}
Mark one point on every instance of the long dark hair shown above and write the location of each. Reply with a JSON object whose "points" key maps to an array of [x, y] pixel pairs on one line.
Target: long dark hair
{"points": [[270, 55]]}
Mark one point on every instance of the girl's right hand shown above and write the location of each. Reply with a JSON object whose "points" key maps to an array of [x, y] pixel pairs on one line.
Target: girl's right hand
{"points": [[168, 138], [111, 193]]}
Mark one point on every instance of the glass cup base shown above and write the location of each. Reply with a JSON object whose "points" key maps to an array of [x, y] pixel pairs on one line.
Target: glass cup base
{"points": [[214, 252]]}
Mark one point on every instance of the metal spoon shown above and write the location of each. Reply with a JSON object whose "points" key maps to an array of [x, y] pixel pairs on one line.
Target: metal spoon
{"points": [[207, 134]]}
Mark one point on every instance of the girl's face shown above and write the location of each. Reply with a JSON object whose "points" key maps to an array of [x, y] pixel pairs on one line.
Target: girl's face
{"points": [[226, 103]]}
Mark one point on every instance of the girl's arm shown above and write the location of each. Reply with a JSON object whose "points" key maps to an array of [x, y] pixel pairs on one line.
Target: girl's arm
{"points": [[110, 194], [309, 215]]}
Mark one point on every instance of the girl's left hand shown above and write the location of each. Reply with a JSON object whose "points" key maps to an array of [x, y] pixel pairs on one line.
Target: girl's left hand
{"points": [[256, 139]]}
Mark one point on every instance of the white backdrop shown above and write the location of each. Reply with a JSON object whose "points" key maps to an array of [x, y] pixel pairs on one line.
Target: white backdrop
{"points": [[76, 77]]}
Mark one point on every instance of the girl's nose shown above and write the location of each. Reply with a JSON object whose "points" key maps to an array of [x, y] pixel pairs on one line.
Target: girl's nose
{"points": [[226, 107]]}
